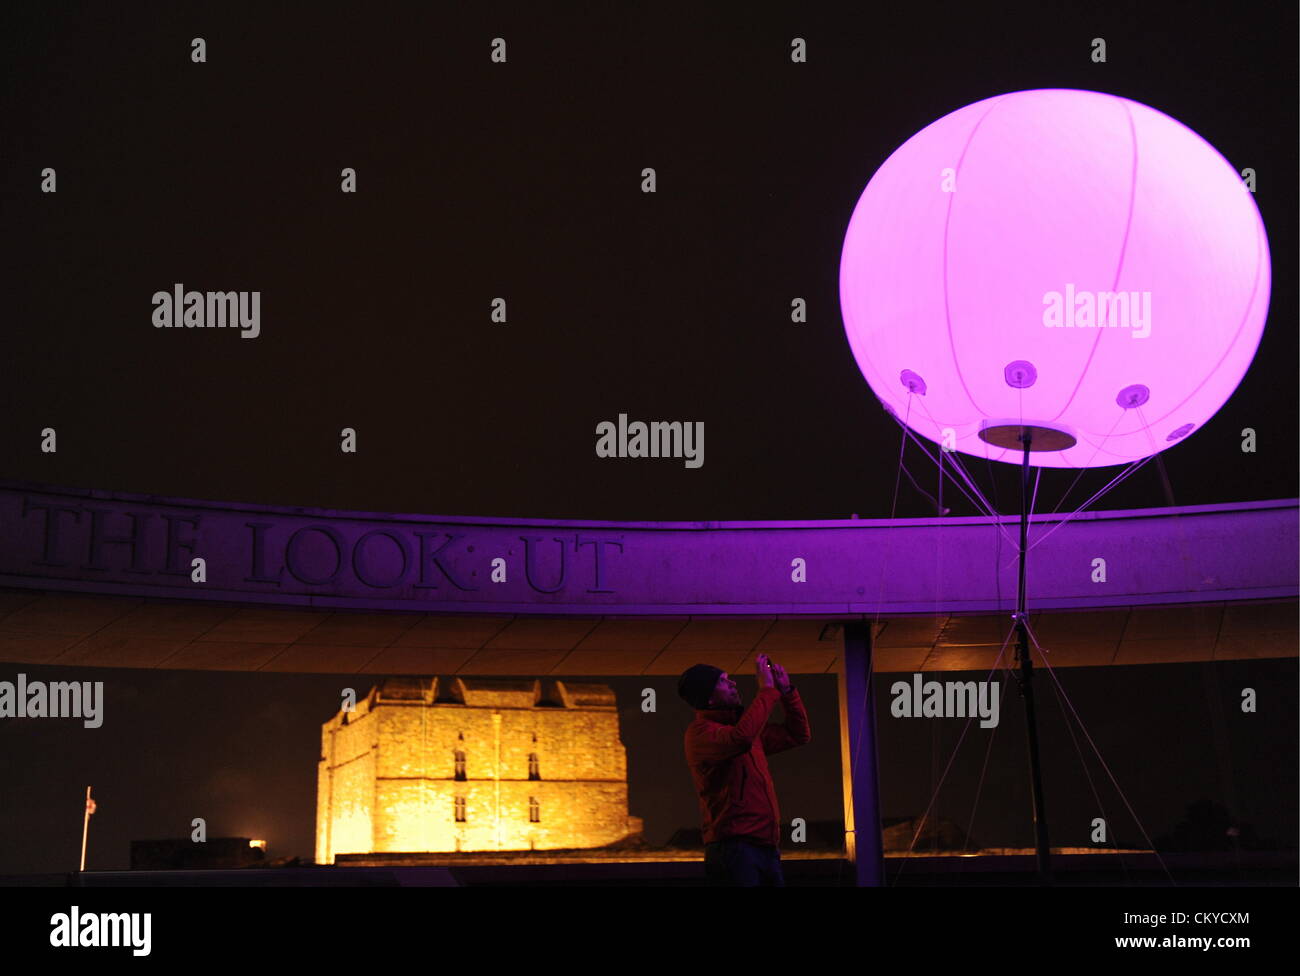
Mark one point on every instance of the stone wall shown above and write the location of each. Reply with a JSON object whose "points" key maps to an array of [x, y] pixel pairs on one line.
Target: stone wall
{"points": [[387, 780]]}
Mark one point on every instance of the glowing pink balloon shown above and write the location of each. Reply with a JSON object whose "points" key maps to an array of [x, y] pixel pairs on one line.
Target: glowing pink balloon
{"points": [[985, 252]]}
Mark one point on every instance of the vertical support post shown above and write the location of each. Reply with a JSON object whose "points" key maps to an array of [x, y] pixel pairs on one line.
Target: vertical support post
{"points": [[863, 842], [1043, 848]]}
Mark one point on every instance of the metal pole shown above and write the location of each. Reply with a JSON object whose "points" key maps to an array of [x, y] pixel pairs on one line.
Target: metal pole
{"points": [[85, 828], [863, 841], [1027, 679]]}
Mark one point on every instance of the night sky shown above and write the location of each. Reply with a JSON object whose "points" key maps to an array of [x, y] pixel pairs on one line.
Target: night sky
{"points": [[522, 180]]}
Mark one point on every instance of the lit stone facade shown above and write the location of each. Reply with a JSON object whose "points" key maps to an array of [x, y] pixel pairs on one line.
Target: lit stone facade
{"points": [[473, 764]]}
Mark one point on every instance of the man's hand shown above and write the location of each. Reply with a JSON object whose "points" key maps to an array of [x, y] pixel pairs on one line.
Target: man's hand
{"points": [[764, 668], [781, 679]]}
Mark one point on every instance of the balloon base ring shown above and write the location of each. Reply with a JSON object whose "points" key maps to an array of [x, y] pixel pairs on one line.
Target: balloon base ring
{"points": [[1011, 436]]}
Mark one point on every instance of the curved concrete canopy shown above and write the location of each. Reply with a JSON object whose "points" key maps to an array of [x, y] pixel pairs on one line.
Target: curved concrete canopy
{"points": [[104, 578], [94, 631], [140, 545]]}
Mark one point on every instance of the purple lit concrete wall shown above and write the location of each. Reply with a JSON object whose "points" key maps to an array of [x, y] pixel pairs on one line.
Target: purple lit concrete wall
{"points": [[139, 545]]}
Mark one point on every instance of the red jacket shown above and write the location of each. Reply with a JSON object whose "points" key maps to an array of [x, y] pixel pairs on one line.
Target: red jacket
{"points": [[727, 754]]}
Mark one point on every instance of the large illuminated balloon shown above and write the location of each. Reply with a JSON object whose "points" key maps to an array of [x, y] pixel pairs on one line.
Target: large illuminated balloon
{"points": [[1073, 263]]}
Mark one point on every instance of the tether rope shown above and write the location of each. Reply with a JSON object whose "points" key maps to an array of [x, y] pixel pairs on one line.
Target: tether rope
{"points": [[1114, 782], [971, 491]]}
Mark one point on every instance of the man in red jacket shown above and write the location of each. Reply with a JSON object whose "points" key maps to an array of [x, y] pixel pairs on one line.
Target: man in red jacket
{"points": [[726, 749]]}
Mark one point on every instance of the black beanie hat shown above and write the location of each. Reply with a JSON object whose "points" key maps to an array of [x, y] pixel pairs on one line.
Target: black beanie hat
{"points": [[697, 683]]}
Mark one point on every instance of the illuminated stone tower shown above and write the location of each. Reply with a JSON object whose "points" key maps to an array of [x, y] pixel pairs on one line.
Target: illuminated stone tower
{"points": [[473, 764]]}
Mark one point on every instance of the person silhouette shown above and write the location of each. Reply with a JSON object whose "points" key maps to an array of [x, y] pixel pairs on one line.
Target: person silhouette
{"points": [[727, 747]]}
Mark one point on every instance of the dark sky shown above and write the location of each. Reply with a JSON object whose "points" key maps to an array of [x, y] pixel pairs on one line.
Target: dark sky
{"points": [[240, 750], [521, 180]]}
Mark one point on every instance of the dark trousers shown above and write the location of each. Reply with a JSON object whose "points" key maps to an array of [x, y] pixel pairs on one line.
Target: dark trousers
{"points": [[737, 862]]}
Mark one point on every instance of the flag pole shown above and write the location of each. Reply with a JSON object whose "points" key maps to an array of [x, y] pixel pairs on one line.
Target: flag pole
{"points": [[85, 829]]}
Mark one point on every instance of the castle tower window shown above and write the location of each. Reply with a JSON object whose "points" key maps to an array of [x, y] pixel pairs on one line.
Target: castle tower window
{"points": [[460, 765], [534, 770], [534, 810], [460, 809]]}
